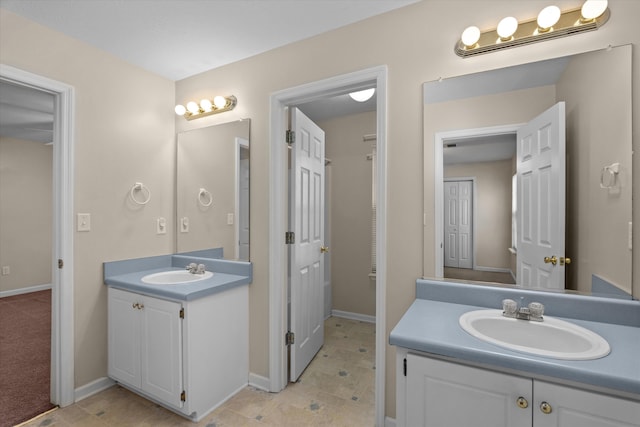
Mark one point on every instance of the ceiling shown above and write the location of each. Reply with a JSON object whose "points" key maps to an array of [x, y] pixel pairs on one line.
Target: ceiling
{"points": [[180, 38]]}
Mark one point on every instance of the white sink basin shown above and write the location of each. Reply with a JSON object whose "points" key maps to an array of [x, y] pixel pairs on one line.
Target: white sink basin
{"points": [[174, 277], [550, 338]]}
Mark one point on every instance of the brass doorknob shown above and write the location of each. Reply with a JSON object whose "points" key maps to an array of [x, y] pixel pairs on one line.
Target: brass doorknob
{"points": [[553, 260], [565, 260], [324, 249], [545, 408], [522, 402]]}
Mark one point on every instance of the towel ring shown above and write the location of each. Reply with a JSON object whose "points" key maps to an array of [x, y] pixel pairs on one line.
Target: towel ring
{"points": [[138, 186], [203, 196]]}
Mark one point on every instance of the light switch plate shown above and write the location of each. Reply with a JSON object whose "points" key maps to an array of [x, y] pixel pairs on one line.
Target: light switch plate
{"points": [[84, 222], [230, 218]]}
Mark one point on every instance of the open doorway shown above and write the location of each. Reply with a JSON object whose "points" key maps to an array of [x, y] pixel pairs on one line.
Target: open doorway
{"points": [[62, 391], [280, 101]]}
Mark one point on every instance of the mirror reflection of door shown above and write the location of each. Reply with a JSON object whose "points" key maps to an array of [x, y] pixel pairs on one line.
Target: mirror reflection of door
{"points": [[541, 200], [458, 216], [242, 202]]}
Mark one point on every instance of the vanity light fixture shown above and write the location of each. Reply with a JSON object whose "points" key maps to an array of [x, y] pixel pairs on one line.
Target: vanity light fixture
{"points": [[206, 107], [550, 23]]}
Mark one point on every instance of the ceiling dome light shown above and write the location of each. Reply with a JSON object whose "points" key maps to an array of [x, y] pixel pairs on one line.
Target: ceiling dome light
{"points": [[206, 105], [220, 101], [470, 36], [548, 17], [180, 110], [507, 27], [362, 95], [193, 107], [591, 9]]}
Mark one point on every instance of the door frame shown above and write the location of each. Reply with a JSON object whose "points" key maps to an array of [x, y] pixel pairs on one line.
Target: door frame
{"points": [[440, 138], [62, 311], [278, 214], [474, 210]]}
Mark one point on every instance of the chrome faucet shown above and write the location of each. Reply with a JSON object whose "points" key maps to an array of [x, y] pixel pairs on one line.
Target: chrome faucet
{"points": [[532, 312], [196, 268]]}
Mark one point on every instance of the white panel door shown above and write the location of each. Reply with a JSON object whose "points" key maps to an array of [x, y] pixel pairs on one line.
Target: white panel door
{"points": [[569, 407], [306, 218], [541, 200], [458, 214]]}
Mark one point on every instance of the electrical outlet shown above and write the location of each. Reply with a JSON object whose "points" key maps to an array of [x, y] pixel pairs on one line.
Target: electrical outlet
{"points": [[6, 270], [161, 226]]}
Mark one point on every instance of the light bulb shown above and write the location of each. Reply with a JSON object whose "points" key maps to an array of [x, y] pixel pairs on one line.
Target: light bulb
{"points": [[470, 36], [548, 17], [205, 104], [362, 95], [220, 102], [180, 110], [193, 107], [591, 9], [507, 27]]}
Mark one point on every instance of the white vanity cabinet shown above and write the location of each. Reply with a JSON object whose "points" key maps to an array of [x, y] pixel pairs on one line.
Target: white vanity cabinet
{"points": [[189, 356], [145, 343], [437, 393]]}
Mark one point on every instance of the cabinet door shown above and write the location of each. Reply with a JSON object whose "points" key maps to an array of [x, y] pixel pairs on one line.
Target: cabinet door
{"points": [[161, 350], [443, 394], [578, 408], [124, 337]]}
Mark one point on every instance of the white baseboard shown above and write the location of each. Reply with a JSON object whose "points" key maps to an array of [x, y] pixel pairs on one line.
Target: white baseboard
{"points": [[389, 422], [93, 387], [354, 316], [259, 382], [492, 269], [25, 290]]}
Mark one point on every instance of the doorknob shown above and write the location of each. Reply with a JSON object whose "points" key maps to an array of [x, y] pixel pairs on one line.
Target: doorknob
{"points": [[324, 249], [553, 260], [565, 260]]}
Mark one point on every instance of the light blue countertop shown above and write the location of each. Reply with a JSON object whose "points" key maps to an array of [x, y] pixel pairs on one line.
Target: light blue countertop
{"points": [[128, 274], [431, 326]]}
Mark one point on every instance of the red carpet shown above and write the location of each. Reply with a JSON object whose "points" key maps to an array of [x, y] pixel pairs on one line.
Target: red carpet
{"points": [[25, 356]]}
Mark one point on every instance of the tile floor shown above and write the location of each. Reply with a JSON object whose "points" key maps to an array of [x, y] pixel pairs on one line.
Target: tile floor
{"points": [[337, 389]]}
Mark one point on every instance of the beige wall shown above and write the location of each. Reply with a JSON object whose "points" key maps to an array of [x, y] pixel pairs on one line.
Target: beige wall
{"points": [[124, 130], [598, 126], [493, 214], [416, 43], [352, 289], [25, 213]]}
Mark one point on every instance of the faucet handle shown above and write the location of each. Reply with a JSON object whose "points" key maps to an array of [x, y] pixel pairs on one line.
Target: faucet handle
{"points": [[536, 309], [509, 307]]}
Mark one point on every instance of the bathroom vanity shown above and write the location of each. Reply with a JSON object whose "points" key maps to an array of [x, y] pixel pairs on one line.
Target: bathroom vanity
{"points": [[183, 345], [447, 377]]}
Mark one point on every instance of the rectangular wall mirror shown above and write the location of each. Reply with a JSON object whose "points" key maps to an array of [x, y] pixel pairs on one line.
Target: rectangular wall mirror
{"points": [[212, 190], [566, 223]]}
